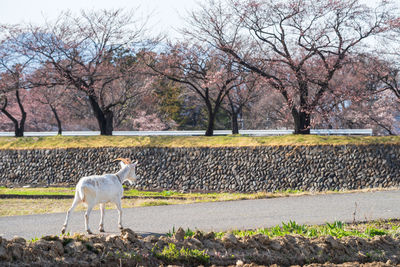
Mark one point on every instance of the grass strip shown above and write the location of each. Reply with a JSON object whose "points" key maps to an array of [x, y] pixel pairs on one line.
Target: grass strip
{"points": [[54, 192], [53, 142], [134, 193], [38, 191]]}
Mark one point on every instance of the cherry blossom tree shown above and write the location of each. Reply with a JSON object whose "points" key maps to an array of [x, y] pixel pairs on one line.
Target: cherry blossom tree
{"points": [[147, 122], [247, 90], [91, 53], [297, 45], [142, 112], [268, 111], [54, 97], [10, 96], [13, 84], [384, 75], [359, 99], [203, 71]]}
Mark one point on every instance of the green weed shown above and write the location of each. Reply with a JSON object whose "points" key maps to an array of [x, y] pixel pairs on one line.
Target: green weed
{"points": [[374, 232], [35, 239], [293, 227], [171, 255], [336, 229], [289, 191], [154, 203], [188, 232], [170, 234]]}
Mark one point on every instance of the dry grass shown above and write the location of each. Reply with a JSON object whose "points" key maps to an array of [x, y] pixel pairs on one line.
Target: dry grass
{"points": [[15, 207], [187, 141], [70, 191]]}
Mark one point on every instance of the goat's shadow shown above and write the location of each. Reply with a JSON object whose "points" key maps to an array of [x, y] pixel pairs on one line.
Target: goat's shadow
{"points": [[139, 233]]}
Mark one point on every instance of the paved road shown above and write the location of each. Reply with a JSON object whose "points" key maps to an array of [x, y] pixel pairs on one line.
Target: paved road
{"points": [[246, 214]]}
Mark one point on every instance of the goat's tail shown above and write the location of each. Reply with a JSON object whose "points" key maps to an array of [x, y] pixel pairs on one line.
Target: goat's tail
{"points": [[81, 193]]}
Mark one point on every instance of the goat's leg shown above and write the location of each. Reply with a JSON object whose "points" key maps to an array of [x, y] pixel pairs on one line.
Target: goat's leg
{"points": [[74, 204], [101, 226], [87, 214], [119, 208]]}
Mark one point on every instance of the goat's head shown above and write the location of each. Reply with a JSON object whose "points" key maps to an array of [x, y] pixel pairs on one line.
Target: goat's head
{"points": [[127, 163]]}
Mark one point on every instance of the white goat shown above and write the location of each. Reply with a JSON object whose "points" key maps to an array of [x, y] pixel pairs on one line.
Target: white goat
{"points": [[102, 189]]}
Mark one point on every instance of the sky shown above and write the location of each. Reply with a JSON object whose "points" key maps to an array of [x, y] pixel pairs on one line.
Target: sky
{"points": [[166, 15]]}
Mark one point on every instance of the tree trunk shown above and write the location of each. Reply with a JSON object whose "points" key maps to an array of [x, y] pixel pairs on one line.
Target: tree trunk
{"points": [[234, 115], [109, 115], [235, 124], [210, 126], [53, 109], [211, 120], [19, 132], [21, 128], [104, 119], [18, 126], [301, 122]]}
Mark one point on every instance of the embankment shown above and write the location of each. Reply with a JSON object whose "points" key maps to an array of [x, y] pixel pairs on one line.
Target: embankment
{"points": [[240, 169]]}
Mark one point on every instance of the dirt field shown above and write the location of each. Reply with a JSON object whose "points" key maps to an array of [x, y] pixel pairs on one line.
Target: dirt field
{"points": [[208, 249]]}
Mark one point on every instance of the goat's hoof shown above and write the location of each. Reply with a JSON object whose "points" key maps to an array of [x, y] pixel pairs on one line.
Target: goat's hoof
{"points": [[89, 232], [63, 231], [101, 230], [121, 228]]}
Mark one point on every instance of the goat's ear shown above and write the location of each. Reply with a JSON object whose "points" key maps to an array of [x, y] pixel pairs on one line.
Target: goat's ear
{"points": [[122, 164]]}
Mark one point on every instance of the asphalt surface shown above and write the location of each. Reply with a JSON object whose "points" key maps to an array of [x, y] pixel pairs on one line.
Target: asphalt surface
{"points": [[218, 216]]}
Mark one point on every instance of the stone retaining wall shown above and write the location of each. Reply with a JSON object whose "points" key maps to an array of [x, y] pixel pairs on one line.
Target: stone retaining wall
{"points": [[242, 169]]}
